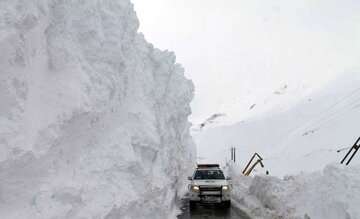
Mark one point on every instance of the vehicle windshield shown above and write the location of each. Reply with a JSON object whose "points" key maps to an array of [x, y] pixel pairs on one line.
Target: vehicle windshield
{"points": [[209, 174]]}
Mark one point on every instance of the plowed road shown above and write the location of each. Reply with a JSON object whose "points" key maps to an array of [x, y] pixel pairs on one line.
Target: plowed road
{"points": [[211, 212]]}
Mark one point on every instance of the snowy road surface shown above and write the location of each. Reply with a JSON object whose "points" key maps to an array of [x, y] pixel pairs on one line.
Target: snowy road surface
{"points": [[211, 212]]}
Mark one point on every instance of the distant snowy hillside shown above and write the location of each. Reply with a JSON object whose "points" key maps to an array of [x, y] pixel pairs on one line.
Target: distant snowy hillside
{"points": [[302, 138], [247, 106], [93, 119]]}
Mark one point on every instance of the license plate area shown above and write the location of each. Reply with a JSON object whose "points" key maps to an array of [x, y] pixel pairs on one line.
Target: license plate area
{"points": [[211, 199]]}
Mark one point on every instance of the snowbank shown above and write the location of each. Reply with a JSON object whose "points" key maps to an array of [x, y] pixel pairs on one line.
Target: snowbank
{"points": [[333, 193], [93, 119]]}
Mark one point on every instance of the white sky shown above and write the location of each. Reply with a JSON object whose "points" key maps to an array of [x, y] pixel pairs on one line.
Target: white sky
{"points": [[238, 52]]}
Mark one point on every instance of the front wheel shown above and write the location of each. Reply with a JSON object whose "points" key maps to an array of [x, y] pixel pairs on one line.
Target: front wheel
{"points": [[192, 205], [227, 204]]}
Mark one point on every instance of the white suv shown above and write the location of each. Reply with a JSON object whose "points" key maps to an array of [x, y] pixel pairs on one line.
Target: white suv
{"points": [[209, 185]]}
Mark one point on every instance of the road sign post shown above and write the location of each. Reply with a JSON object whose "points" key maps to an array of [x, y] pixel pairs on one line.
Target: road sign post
{"points": [[354, 149]]}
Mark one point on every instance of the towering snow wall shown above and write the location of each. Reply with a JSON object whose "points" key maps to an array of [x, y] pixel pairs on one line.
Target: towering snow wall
{"points": [[93, 119]]}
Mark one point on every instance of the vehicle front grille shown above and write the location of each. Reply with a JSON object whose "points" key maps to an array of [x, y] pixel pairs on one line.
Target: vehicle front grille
{"points": [[210, 189]]}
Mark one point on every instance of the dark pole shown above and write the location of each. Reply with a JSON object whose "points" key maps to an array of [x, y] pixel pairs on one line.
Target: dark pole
{"points": [[234, 154], [354, 147], [352, 156]]}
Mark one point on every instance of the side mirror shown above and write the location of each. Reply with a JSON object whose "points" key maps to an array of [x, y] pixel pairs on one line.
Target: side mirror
{"points": [[228, 178], [189, 178]]}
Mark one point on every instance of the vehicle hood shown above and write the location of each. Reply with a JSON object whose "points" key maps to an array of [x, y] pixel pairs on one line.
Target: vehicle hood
{"points": [[210, 182]]}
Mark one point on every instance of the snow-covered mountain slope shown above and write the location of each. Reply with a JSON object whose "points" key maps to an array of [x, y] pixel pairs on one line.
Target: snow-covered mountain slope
{"points": [[332, 193], [254, 102], [93, 119], [305, 137]]}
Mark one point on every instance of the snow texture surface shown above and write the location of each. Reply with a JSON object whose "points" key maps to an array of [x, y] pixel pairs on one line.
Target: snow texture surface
{"points": [[93, 119], [300, 144], [333, 193], [300, 138]]}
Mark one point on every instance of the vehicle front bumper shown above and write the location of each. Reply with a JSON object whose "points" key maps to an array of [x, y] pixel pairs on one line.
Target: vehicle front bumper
{"points": [[210, 196]]}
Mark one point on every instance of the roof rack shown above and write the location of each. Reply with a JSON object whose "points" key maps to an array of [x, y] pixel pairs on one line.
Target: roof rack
{"points": [[200, 166]]}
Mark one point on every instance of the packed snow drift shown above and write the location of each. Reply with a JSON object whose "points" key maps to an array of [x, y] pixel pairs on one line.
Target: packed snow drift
{"points": [[333, 193], [93, 119]]}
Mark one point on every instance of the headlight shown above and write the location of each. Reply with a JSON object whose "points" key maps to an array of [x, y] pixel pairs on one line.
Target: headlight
{"points": [[195, 188], [225, 188]]}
